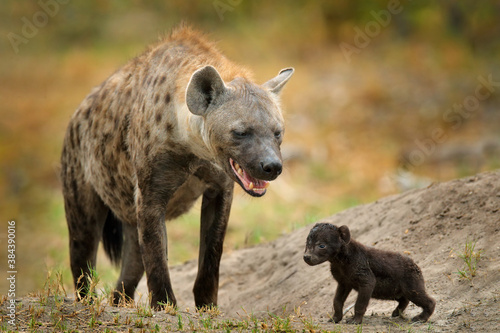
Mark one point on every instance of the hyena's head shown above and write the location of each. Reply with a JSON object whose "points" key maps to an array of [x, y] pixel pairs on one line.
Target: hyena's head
{"points": [[242, 124]]}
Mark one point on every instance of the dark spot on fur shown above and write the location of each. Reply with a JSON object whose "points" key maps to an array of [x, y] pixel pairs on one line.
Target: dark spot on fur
{"points": [[128, 93], [163, 78], [106, 137], [103, 149], [113, 167], [167, 98], [147, 134], [97, 123], [110, 196], [170, 127], [124, 147], [157, 98], [117, 124], [112, 181], [71, 137], [158, 117], [155, 81], [123, 132], [76, 136], [86, 115]]}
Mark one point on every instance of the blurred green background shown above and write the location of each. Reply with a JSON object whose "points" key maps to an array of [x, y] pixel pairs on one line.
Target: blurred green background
{"points": [[387, 96]]}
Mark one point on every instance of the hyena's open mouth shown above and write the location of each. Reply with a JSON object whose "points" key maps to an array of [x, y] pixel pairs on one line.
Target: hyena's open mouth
{"points": [[252, 186]]}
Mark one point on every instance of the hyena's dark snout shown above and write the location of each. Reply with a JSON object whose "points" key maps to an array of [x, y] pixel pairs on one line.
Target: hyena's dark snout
{"points": [[269, 163], [271, 168]]}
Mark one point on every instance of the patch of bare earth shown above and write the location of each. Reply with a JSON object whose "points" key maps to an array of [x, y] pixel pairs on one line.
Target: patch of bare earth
{"points": [[431, 225]]}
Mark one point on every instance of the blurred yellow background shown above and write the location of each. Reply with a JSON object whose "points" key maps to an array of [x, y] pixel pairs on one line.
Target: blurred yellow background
{"points": [[387, 96]]}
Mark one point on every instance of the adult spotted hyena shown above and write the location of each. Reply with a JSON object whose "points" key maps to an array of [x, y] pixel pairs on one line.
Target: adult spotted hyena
{"points": [[178, 122]]}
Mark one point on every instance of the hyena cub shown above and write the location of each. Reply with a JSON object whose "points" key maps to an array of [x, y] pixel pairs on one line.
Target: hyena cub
{"points": [[178, 122], [371, 272]]}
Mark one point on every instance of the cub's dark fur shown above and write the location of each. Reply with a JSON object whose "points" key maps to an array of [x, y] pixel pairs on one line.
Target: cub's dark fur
{"points": [[371, 272]]}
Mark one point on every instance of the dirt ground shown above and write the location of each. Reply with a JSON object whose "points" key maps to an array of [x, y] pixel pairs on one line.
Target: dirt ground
{"points": [[432, 225]]}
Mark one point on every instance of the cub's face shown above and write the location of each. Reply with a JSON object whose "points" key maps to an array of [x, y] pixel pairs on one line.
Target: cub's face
{"points": [[323, 242]]}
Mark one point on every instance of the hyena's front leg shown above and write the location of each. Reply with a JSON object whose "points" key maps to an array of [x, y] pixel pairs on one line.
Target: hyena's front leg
{"points": [[216, 206], [152, 235]]}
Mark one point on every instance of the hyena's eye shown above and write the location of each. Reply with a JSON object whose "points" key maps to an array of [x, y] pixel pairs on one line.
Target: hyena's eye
{"points": [[278, 134], [240, 134], [321, 246]]}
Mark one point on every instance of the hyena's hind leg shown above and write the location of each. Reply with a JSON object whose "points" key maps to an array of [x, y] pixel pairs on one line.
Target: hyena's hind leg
{"points": [[132, 267], [85, 215]]}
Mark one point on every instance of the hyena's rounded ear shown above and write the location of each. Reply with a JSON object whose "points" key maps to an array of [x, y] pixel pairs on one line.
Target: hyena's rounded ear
{"points": [[345, 234], [277, 83], [203, 88]]}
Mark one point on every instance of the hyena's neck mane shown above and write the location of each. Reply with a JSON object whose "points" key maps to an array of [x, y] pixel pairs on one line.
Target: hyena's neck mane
{"points": [[195, 51], [178, 56]]}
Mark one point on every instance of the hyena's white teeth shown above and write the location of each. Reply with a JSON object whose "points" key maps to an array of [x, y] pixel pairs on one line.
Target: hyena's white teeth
{"points": [[238, 169], [250, 186]]}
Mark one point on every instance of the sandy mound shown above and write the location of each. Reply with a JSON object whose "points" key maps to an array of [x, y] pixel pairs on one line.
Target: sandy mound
{"points": [[432, 225]]}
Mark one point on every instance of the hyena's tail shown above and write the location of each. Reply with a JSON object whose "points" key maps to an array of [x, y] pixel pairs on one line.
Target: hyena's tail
{"points": [[112, 238]]}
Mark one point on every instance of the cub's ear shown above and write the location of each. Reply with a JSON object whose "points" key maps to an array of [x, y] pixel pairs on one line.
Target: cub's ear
{"points": [[345, 234], [203, 88], [277, 83]]}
